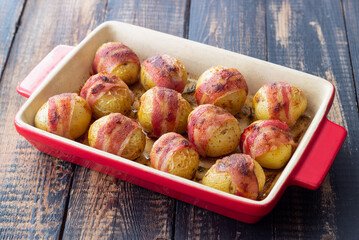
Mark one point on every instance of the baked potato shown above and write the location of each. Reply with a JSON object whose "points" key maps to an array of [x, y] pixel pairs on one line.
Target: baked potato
{"points": [[163, 70], [117, 59], [213, 130], [237, 174], [174, 154], [67, 115], [269, 142], [117, 134], [106, 93], [163, 110], [281, 101], [223, 87]]}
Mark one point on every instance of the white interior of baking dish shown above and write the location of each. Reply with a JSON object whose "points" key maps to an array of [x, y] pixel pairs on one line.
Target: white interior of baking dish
{"points": [[75, 68]]}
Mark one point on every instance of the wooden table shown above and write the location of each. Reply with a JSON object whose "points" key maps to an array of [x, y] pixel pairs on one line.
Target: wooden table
{"points": [[44, 198]]}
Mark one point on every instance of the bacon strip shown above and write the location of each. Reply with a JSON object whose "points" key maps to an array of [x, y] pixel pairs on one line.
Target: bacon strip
{"points": [[60, 111], [202, 124], [112, 54], [166, 107], [98, 85], [165, 146], [165, 72], [114, 135], [279, 96], [224, 81], [241, 169], [264, 136]]}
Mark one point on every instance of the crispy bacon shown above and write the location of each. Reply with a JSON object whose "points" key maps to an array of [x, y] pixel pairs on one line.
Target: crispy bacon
{"points": [[279, 98], [165, 146], [202, 124], [166, 108], [60, 111], [99, 84], [165, 72], [264, 136], [241, 169], [224, 81], [112, 54], [114, 135]]}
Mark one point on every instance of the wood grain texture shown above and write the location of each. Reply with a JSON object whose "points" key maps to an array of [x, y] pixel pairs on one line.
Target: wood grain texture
{"points": [[42, 197], [310, 36], [104, 207], [350, 10], [34, 187], [10, 12], [238, 26]]}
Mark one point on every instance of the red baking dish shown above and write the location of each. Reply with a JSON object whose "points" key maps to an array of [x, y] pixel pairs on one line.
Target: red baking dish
{"points": [[66, 68]]}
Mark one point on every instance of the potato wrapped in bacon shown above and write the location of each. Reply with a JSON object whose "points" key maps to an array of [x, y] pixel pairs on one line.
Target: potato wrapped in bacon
{"points": [[269, 142], [163, 70], [223, 87], [237, 174], [174, 154], [117, 134], [281, 101], [117, 59], [67, 115], [213, 130], [107, 94], [163, 110]]}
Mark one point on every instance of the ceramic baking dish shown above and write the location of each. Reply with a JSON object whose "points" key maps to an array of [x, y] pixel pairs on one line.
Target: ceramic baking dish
{"points": [[66, 68]]}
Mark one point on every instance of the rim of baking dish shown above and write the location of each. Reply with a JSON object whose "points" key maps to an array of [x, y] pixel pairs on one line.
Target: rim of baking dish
{"points": [[313, 127]]}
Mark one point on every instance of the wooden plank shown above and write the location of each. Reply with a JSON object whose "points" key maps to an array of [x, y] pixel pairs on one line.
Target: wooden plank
{"points": [[104, 207], [238, 26], [10, 12], [351, 9], [34, 187], [310, 36]]}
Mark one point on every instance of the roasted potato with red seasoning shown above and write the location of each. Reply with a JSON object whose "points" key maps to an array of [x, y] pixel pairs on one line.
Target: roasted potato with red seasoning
{"points": [[174, 154], [237, 174], [107, 94], [67, 115], [281, 101], [117, 59], [163, 110], [117, 134], [213, 130], [223, 87], [163, 70], [269, 142]]}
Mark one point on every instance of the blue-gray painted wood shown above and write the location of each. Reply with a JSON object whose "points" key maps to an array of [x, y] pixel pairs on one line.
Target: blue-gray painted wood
{"points": [[350, 10], [237, 26], [310, 36], [34, 187], [9, 17], [37, 198], [124, 210]]}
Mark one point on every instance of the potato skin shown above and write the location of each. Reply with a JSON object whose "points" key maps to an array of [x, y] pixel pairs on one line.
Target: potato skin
{"points": [[276, 158], [279, 100], [223, 87], [174, 154], [74, 122], [269, 142], [163, 110], [237, 174], [106, 93], [163, 70], [117, 59], [117, 134], [213, 130]]}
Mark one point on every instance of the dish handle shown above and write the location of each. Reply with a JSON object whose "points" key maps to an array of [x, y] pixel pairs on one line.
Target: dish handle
{"points": [[319, 156], [39, 73]]}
